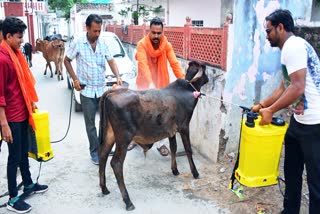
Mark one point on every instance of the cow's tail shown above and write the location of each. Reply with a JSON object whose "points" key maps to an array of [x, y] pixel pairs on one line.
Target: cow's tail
{"points": [[103, 118]]}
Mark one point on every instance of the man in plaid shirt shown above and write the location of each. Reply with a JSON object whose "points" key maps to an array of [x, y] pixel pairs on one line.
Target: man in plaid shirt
{"points": [[91, 54]]}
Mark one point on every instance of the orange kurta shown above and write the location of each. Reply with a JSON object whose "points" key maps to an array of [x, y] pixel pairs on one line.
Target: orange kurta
{"points": [[152, 64], [26, 79]]}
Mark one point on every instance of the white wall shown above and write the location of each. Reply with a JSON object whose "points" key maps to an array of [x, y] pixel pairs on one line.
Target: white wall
{"points": [[207, 10], [121, 5]]}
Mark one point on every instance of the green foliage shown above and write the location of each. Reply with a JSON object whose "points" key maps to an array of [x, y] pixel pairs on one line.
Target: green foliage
{"points": [[124, 13], [142, 12], [158, 9], [64, 5]]}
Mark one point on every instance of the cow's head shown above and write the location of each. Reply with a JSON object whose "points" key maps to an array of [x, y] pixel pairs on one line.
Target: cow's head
{"points": [[196, 74], [39, 44]]}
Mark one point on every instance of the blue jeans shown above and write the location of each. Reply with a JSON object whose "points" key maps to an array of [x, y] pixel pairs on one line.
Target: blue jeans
{"points": [[89, 108], [302, 146], [18, 157]]}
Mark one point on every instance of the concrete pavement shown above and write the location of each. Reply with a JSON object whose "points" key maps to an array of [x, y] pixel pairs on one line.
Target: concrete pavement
{"points": [[73, 180]]}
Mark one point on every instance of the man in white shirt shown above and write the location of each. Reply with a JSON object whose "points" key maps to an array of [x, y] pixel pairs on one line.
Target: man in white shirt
{"points": [[300, 90]]}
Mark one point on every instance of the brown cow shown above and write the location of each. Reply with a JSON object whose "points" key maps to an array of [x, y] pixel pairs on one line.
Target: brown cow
{"points": [[52, 51], [146, 117]]}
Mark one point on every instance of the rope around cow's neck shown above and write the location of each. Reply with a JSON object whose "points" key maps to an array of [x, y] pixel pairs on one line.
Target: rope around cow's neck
{"points": [[196, 93]]}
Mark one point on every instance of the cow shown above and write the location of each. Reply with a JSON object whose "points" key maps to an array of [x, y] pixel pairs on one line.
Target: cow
{"points": [[52, 51], [54, 37], [27, 52], [147, 116]]}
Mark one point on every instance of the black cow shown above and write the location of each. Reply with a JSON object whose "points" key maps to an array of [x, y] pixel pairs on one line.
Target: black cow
{"points": [[27, 51], [54, 37], [146, 117]]}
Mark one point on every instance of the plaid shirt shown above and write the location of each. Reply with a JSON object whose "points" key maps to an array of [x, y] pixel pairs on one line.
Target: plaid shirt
{"points": [[90, 65]]}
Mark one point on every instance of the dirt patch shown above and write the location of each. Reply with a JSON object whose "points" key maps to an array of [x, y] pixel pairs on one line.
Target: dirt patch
{"points": [[214, 183]]}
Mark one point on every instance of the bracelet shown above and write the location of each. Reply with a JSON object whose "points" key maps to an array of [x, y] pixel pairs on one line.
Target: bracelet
{"points": [[261, 105]]}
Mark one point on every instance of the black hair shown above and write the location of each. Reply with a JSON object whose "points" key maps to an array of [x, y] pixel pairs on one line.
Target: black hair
{"points": [[156, 21], [1, 21], [12, 25], [93, 18], [282, 16]]}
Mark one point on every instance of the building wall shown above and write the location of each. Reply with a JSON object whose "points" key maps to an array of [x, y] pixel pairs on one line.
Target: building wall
{"points": [[122, 5], [253, 70], [207, 10], [175, 12]]}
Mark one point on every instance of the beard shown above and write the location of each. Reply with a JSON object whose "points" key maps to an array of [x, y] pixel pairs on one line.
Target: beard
{"points": [[273, 43], [156, 40]]}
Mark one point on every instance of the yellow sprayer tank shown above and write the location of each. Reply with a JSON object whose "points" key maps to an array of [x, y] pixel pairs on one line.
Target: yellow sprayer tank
{"points": [[260, 150], [43, 150]]}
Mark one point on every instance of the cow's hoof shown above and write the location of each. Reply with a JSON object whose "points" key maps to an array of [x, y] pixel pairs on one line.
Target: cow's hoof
{"points": [[195, 175], [175, 172], [105, 191], [130, 207]]}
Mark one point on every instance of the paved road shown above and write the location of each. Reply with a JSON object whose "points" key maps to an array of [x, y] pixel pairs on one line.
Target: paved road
{"points": [[73, 180]]}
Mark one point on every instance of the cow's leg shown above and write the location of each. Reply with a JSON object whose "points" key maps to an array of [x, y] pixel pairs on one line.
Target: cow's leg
{"points": [[104, 151], [57, 70], [45, 71], [173, 149], [117, 166], [61, 69], [30, 58], [187, 146], [49, 65]]}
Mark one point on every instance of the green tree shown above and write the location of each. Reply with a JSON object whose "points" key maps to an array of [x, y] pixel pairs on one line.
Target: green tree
{"points": [[64, 5]]}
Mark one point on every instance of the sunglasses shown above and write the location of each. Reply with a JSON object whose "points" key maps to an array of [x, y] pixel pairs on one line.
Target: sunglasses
{"points": [[268, 30]]}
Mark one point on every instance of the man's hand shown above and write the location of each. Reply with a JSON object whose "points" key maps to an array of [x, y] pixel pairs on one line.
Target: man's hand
{"points": [[76, 85], [6, 133], [266, 116], [119, 81], [256, 108], [34, 107]]}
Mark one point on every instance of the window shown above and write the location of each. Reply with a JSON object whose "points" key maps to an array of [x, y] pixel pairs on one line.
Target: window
{"points": [[197, 23]]}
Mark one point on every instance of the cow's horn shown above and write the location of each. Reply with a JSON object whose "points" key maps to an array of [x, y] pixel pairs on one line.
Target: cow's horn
{"points": [[197, 76]]}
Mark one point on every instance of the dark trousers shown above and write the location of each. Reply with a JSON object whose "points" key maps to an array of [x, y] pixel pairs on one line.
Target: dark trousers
{"points": [[302, 146], [89, 108], [18, 157]]}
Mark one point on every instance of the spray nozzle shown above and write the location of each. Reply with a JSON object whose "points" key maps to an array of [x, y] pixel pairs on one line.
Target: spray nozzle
{"points": [[245, 109], [251, 116]]}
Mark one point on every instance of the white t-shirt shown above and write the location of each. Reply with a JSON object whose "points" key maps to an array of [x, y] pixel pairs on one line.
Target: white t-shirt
{"points": [[297, 54]]}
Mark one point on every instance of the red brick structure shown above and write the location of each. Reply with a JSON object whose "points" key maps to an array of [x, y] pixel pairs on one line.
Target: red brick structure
{"points": [[13, 8], [208, 45]]}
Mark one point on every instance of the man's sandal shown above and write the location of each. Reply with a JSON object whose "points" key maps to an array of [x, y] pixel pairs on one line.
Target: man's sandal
{"points": [[163, 150]]}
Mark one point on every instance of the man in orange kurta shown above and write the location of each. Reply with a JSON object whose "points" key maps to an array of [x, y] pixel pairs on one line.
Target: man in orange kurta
{"points": [[153, 53]]}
